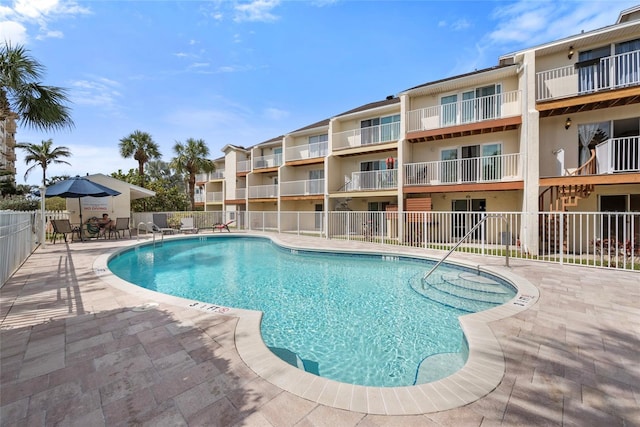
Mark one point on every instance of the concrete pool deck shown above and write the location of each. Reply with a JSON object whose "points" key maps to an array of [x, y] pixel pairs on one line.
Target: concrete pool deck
{"points": [[76, 350]]}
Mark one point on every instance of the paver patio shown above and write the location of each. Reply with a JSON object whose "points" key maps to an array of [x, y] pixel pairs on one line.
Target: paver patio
{"points": [[77, 351]]}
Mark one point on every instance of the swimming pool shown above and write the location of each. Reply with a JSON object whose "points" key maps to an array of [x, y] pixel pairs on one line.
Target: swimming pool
{"points": [[354, 318]]}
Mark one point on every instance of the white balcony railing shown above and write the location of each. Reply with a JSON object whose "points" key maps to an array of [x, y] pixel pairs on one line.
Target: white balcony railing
{"points": [[243, 166], [372, 180], [270, 161], [204, 177], [610, 72], [263, 191], [466, 111], [618, 155], [505, 167], [299, 188], [214, 197], [367, 136], [310, 151], [198, 198]]}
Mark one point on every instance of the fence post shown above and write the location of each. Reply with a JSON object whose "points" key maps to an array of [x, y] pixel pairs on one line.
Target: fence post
{"points": [[561, 232]]}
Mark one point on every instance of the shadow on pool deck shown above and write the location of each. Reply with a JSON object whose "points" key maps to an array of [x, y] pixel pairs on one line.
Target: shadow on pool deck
{"points": [[76, 351]]}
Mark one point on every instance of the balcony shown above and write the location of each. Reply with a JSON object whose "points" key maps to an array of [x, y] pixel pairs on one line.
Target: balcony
{"points": [[310, 151], [603, 74], [372, 180], [198, 198], [243, 166], [505, 167], [302, 188], [205, 177], [367, 136], [241, 193], [468, 111], [263, 191], [618, 155], [214, 197], [270, 161]]}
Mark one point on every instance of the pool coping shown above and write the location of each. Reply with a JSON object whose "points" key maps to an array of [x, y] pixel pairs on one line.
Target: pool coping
{"points": [[480, 375]]}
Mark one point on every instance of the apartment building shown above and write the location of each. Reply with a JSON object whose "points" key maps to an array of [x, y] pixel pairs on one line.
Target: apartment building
{"points": [[7, 147], [551, 128]]}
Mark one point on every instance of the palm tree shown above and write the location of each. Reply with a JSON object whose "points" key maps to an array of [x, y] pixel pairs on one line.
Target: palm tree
{"points": [[43, 155], [191, 159], [22, 95], [142, 148]]}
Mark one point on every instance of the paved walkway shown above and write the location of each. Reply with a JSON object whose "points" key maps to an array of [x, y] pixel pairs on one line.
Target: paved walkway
{"points": [[77, 351]]}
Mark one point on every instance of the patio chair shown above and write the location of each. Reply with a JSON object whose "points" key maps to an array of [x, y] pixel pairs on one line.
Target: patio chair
{"points": [[122, 224], [161, 225], [220, 226], [186, 226], [64, 227]]}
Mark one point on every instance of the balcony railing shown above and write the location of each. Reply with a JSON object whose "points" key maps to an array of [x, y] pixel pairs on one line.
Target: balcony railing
{"points": [[466, 111], [241, 193], [372, 180], [367, 136], [270, 161], [198, 198], [243, 166], [606, 73], [214, 197], [505, 167], [300, 188], [204, 177], [310, 151], [263, 191], [618, 155]]}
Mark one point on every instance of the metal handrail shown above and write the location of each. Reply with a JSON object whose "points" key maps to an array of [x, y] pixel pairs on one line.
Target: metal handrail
{"points": [[474, 228], [149, 226]]}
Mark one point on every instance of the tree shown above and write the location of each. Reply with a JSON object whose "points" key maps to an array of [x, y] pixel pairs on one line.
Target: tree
{"points": [[169, 196], [191, 159], [142, 148], [43, 155], [37, 106]]}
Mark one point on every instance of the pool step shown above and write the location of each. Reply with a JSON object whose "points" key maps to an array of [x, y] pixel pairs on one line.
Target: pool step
{"points": [[294, 360], [438, 366], [465, 291]]}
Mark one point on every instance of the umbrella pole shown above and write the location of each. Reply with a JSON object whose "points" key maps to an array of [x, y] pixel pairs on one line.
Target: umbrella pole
{"points": [[43, 236], [81, 224]]}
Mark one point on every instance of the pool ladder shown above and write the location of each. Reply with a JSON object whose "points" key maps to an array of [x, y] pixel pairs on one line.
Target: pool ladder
{"points": [[149, 226], [474, 228]]}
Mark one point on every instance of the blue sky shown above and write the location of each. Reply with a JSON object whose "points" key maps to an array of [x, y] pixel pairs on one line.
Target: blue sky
{"points": [[243, 72]]}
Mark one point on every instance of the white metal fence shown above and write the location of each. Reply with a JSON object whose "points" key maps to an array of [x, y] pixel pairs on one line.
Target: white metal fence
{"points": [[19, 236], [598, 239]]}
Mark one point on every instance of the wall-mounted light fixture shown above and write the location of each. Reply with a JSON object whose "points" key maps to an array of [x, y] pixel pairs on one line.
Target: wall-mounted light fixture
{"points": [[567, 123], [570, 54]]}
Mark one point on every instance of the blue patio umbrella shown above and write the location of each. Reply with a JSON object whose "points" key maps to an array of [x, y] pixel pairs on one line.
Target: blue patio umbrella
{"points": [[78, 187]]}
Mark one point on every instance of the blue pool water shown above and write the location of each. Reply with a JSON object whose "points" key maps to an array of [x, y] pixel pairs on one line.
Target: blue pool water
{"points": [[358, 319]]}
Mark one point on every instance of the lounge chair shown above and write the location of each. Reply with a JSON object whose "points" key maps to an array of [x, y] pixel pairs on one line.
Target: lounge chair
{"points": [[186, 226], [220, 226], [160, 224], [122, 224], [64, 227]]}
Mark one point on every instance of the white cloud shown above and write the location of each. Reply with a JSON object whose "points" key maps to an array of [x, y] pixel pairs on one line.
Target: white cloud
{"points": [[14, 32], [461, 24], [256, 11], [531, 23], [100, 92], [34, 8], [275, 114], [50, 35], [199, 65], [26, 16]]}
